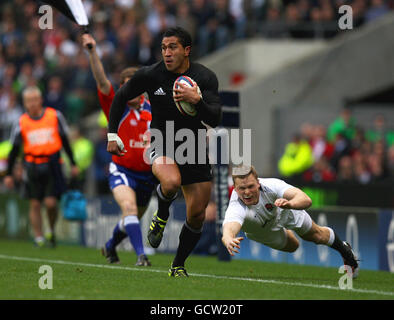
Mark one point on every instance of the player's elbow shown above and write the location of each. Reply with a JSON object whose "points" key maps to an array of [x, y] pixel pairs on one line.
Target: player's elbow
{"points": [[104, 87], [215, 119], [307, 201]]}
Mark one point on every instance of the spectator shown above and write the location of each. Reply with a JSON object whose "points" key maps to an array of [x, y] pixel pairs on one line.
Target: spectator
{"points": [[359, 7], [293, 22], [143, 49], [105, 48], [296, 158], [320, 146], [358, 139], [9, 75], [307, 131], [66, 45], [376, 168], [380, 132], [345, 169], [184, 18], [321, 171], [216, 33], [25, 74], [140, 11], [342, 148], [328, 17], [159, 19], [202, 11], [83, 151], [237, 10], [377, 9], [304, 8], [10, 34], [273, 26], [361, 172], [255, 11], [8, 116], [345, 125], [55, 95], [5, 148], [390, 162]]}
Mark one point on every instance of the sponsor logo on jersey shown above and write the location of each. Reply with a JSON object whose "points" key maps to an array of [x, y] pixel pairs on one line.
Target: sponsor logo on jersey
{"points": [[159, 92]]}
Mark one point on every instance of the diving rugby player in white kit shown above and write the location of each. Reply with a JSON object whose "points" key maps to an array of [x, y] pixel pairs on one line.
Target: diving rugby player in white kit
{"points": [[269, 210]]}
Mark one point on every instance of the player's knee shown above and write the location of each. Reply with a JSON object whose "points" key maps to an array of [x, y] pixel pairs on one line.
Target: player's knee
{"points": [[128, 207], [292, 247], [292, 244], [196, 210], [196, 220], [51, 203], [170, 185], [35, 206]]}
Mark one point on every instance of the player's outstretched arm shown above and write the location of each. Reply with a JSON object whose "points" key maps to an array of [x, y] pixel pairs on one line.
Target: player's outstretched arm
{"points": [[230, 239], [294, 198], [102, 81]]}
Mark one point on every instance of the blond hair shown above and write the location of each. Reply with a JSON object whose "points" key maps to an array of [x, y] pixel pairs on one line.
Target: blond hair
{"points": [[243, 171]]}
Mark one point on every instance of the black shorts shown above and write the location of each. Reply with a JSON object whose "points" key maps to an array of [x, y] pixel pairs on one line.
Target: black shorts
{"points": [[194, 173], [44, 180], [190, 173]]}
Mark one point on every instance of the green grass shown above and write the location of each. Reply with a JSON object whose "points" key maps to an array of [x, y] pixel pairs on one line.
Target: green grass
{"points": [[82, 273]]}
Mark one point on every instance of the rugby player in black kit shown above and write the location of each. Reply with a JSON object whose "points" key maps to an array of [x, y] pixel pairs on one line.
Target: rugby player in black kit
{"points": [[194, 178]]}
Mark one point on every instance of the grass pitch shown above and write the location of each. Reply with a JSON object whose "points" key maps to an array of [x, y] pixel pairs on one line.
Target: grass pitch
{"points": [[82, 273]]}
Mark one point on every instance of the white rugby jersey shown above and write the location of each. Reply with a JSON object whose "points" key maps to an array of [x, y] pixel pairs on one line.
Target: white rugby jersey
{"points": [[252, 218]]}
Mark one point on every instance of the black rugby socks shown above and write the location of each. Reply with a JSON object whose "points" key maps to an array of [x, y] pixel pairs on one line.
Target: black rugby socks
{"points": [[188, 239], [164, 204]]}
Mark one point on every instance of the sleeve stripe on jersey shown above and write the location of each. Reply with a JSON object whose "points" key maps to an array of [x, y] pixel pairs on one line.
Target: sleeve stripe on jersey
{"points": [[63, 127]]}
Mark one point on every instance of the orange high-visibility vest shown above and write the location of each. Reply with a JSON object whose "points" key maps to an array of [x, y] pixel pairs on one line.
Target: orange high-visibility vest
{"points": [[41, 137]]}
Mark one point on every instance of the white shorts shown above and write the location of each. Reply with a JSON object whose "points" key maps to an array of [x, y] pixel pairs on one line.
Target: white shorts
{"points": [[274, 235]]}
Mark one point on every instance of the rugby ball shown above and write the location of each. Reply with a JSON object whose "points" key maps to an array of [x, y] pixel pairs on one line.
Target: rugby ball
{"points": [[184, 107]]}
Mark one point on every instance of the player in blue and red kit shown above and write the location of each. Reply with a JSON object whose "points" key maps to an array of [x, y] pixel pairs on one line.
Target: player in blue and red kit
{"points": [[130, 177]]}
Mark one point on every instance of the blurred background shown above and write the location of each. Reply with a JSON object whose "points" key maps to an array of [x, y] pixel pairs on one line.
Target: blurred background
{"points": [[319, 102]]}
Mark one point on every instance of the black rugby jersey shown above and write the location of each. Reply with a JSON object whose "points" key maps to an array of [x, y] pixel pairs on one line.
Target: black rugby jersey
{"points": [[158, 83]]}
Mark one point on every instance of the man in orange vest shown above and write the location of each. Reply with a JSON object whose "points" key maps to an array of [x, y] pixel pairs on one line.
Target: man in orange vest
{"points": [[43, 133]]}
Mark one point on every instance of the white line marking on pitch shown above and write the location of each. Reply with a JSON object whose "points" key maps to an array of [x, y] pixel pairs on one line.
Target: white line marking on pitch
{"points": [[299, 284]]}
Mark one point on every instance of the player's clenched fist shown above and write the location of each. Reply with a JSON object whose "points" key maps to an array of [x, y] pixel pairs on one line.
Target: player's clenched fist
{"points": [[283, 203]]}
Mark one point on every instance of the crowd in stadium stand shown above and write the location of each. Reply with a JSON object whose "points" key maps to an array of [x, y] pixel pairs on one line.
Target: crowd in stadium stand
{"points": [[128, 32], [344, 152]]}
